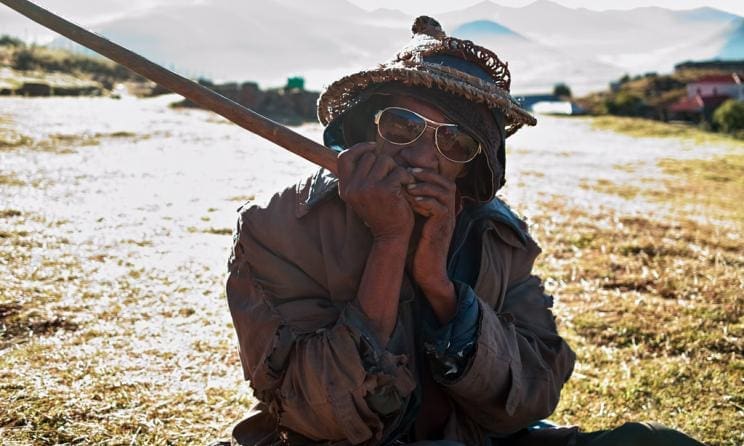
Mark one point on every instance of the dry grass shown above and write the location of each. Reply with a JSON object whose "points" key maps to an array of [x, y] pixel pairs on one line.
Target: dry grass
{"points": [[210, 230], [61, 143], [710, 188], [101, 344], [640, 127], [96, 349], [10, 179], [9, 137], [715, 185], [655, 313], [655, 308]]}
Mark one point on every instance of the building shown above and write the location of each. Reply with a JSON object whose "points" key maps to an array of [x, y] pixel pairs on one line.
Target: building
{"points": [[718, 65], [695, 109], [717, 85], [529, 100], [706, 94], [548, 104]]}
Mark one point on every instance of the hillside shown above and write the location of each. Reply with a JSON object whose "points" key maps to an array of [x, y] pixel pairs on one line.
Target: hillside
{"points": [[30, 70], [650, 95]]}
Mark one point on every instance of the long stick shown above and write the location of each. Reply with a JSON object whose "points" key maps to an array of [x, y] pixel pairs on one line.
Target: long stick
{"points": [[204, 97]]}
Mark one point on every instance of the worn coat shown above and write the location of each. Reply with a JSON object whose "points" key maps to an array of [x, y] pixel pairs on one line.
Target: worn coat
{"points": [[315, 363]]}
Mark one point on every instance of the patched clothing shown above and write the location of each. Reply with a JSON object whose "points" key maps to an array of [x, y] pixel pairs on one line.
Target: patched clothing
{"points": [[317, 366]]}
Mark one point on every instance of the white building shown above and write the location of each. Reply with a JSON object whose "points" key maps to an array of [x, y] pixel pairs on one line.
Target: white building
{"points": [[717, 85]]}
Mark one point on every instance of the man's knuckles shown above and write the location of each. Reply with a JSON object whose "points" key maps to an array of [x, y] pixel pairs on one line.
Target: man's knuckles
{"points": [[347, 158]]}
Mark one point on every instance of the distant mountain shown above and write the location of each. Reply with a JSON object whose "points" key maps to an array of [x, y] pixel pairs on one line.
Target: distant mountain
{"points": [[536, 67], [544, 42], [483, 29], [733, 47], [708, 14], [635, 41], [390, 14], [227, 40]]}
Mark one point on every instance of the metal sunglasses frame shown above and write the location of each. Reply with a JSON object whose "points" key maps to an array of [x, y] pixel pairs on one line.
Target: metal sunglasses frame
{"points": [[427, 123]]}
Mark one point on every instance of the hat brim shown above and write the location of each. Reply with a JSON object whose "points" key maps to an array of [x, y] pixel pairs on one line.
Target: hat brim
{"points": [[343, 94]]}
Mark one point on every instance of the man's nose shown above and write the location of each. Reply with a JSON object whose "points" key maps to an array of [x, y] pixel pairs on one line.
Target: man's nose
{"points": [[423, 151]]}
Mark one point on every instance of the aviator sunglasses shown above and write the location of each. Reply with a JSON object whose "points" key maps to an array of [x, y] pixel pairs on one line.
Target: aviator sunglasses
{"points": [[401, 126]]}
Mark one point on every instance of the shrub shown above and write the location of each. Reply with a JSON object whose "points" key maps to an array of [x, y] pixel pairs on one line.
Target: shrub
{"points": [[561, 90], [729, 117], [6, 40], [24, 60], [625, 104]]}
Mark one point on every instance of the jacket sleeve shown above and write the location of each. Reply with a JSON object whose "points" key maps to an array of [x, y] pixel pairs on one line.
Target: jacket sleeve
{"points": [[450, 347], [518, 364], [316, 364]]}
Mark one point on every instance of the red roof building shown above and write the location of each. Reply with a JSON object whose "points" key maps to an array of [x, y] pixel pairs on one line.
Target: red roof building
{"points": [[696, 108], [729, 85]]}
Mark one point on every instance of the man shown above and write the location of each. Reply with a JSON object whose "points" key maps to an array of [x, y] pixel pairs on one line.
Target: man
{"points": [[395, 303]]}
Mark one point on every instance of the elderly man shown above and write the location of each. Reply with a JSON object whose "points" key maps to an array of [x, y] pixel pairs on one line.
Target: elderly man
{"points": [[395, 303]]}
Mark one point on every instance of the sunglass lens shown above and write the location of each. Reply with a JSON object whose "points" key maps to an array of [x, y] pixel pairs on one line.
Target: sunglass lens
{"points": [[455, 144], [400, 126]]}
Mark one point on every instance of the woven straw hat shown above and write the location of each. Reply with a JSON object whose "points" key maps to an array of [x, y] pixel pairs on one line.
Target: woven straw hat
{"points": [[434, 60]]}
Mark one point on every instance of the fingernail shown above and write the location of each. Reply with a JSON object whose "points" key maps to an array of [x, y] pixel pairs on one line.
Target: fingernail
{"points": [[416, 169], [418, 198], [411, 186]]}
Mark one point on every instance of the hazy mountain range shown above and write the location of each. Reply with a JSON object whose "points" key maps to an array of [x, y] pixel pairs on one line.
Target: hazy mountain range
{"points": [[544, 43]]}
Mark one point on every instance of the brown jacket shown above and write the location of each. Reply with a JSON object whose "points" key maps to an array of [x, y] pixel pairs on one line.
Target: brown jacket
{"points": [[314, 362]]}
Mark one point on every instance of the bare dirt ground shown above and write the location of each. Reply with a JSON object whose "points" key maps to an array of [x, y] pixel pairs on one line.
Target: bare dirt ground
{"points": [[115, 223]]}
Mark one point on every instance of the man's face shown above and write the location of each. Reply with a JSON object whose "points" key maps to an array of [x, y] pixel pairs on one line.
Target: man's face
{"points": [[422, 152]]}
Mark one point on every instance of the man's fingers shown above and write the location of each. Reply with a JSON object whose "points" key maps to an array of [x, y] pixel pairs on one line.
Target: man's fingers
{"points": [[429, 190], [430, 184], [382, 167], [431, 176], [347, 159], [399, 176], [428, 207], [364, 164]]}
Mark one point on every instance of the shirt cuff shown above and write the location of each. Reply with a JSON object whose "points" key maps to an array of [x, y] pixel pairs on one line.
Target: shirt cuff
{"points": [[449, 347]]}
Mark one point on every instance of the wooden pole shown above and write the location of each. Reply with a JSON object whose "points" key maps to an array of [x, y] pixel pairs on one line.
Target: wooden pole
{"points": [[203, 96]]}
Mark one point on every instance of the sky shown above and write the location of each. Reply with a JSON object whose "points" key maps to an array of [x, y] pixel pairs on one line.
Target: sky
{"points": [[437, 6], [88, 13]]}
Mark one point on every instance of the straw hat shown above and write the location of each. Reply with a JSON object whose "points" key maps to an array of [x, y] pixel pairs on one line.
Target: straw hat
{"points": [[434, 60]]}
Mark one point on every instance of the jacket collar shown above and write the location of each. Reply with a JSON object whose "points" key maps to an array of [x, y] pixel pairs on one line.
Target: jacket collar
{"points": [[314, 190]]}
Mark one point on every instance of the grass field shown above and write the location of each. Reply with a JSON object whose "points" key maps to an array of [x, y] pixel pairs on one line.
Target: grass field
{"points": [[649, 128], [105, 339]]}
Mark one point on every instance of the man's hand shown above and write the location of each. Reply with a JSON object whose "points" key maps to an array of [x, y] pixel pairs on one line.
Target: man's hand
{"points": [[434, 197], [373, 185]]}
